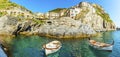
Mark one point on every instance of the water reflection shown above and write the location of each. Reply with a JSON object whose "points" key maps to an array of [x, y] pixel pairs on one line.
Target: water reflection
{"points": [[116, 48]]}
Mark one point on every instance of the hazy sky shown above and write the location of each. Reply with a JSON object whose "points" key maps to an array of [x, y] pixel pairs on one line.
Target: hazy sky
{"points": [[112, 7]]}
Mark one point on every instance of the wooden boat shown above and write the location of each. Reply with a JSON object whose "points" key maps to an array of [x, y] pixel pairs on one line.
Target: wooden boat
{"points": [[2, 51], [100, 46], [52, 47]]}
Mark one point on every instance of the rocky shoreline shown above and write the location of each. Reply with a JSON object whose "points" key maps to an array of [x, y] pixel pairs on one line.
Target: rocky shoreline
{"points": [[64, 27]]}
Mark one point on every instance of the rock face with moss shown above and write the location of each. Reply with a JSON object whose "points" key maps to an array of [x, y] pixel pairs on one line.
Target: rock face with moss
{"points": [[95, 16]]}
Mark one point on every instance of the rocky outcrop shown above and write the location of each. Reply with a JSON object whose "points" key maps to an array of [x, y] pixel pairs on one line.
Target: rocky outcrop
{"points": [[22, 26], [7, 24], [95, 16], [65, 27], [12, 26]]}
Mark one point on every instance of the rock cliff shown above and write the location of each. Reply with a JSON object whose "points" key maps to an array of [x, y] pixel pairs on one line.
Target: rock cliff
{"points": [[95, 16], [7, 24], [90, 19]]}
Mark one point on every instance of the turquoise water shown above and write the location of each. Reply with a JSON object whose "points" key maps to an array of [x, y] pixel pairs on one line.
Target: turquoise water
{"points": [[24, 46]]}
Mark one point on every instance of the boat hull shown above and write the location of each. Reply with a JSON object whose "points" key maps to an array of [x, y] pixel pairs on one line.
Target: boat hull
{"points": [[107, 47], [2, 52], [51, 51], [52, 47]]}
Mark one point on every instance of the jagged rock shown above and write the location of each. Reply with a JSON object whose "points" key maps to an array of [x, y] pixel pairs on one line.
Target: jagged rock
{"points": [[10, 25], [7, 24], [23, 26]]}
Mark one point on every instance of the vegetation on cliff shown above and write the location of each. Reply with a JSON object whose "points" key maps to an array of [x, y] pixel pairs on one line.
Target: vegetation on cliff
{"points": [[5, 4], [3, 13], [38, 21], [57, 10], [101, 13], [82, 14]]}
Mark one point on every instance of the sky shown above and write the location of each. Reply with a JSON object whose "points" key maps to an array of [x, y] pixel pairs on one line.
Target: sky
{"points": [[112, 7]]}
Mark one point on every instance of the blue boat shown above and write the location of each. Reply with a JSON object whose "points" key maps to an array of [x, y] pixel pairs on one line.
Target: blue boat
{"points": [[2, 51]]}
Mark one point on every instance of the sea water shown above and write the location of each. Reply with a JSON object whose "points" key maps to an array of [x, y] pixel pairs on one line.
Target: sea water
{"points": [[31, 46]]}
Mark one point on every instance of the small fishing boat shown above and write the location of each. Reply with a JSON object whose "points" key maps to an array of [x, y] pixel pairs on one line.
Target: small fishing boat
{"points": [[2, 51], [52, 47], [100, 46]]}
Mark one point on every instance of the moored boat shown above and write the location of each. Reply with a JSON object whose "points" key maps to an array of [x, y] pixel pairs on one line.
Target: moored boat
{"points": [[100, 46], [52, 47]]}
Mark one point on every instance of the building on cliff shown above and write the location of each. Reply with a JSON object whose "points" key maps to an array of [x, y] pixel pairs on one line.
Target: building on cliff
{"points": [[74, 11], [17, 11]]}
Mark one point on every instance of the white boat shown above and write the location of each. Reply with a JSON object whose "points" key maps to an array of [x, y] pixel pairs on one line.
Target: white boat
{"points": [[52, 47], [100, 46]]}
